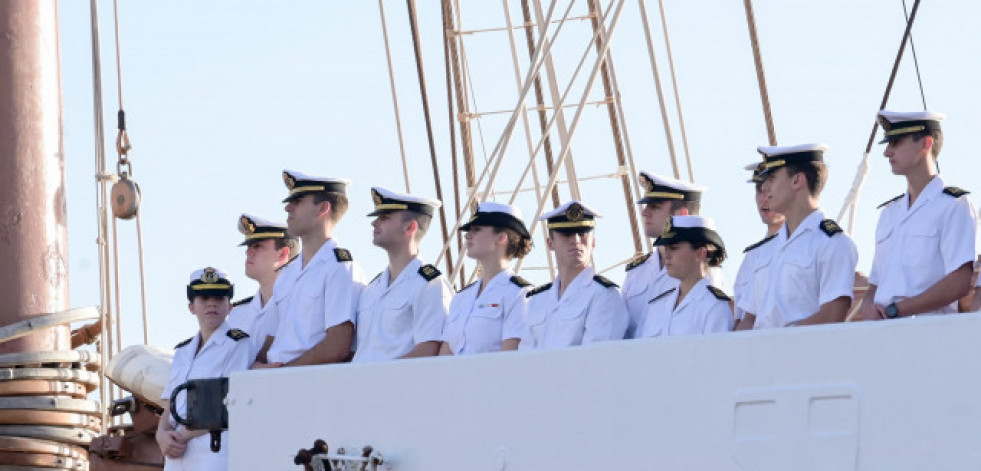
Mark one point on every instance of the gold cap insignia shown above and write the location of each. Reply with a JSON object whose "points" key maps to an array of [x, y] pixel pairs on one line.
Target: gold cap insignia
{"points": [[289, 180], [647, 183], [574, 213], [376, 197], [247, 225], [666, 232], [209, 275]]}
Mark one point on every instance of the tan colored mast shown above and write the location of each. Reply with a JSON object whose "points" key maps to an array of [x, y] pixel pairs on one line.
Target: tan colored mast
{"points": [[33, 225]]}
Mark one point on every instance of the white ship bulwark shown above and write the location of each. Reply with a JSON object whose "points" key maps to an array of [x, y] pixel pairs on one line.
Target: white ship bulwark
{"points": [[859, 396]]}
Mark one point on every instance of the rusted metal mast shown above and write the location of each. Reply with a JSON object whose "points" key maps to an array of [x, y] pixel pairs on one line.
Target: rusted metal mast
{"points": [[33, 218]]}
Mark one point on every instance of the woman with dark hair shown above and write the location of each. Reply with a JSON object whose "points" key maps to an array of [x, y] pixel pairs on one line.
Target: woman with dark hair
{"points": [[489, 314], [691, 247]]}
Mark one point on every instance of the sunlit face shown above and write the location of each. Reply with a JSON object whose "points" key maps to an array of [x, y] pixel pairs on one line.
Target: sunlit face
{"points": [[262, 259], [654, 216], [211, 311], [483, 242], [388, 230], [905, 154], [302, 215], [779, 189], [572, 250], [682, 260], [767, 215]]}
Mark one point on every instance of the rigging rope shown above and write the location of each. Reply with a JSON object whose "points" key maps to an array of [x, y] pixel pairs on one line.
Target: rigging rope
{"points": [[916, 62], [449, 110], [668, 137], [395, 97], [677, 96], [760, 76]]}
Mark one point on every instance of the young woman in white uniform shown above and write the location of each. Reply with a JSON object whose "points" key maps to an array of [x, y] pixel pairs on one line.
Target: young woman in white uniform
{"points": [[489, 314], [692, 246]]}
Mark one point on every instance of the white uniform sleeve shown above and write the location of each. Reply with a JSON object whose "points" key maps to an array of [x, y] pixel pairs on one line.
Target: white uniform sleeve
{"points": [[739, 287], [173, 381], [238, 358], [514, 317], [874, 270], [429, 310], [958, 235], [718, 319], [341, 293], [836, 269], [606, 318]]}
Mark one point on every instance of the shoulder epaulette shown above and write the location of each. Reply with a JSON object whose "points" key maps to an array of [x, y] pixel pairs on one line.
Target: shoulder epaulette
{"points": [[719, 294], [655, 298], [465, 287], [765, 240], [539, 289], [521, 282], [429, 272], [375, 278], [955, 192], [890, 201], [183, 343], [637, 261], [605, 281], [343, 255], [830, 227], [242, 301], [237, 334]]}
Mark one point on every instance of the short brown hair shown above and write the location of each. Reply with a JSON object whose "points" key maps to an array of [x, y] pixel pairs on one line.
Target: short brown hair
{"points": [[815, 172], [692, 206], [338, 204], [938, 140], [422, 221], [291, 242], [518, 246]]}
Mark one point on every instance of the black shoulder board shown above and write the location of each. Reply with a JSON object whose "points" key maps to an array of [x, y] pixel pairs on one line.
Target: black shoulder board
{"points": [[429, 272], [890, 201], [605, 281], [655, 298], [343, 255], [242, 301], [521, 282], [955, 192], [375, 278], [539, 289], [638, 261], [767, 239], [719, 294], [183, 343], [465, 287], [236, 334], [830, 227]]}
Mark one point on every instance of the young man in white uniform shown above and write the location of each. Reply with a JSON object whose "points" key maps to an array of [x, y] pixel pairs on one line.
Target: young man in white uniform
{"points": [[401, 312], [806, 274], [924, 241], [579, 307], [316, 294], [663, 197], [268, 249], [773, 221], [215, 351]]}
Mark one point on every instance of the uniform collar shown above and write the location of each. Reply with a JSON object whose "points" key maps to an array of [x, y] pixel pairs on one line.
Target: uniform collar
{"points": [[324, 253], [696, 292], [933, 188], [580, 281], [811, 223], [410, 270], [216, 338]]}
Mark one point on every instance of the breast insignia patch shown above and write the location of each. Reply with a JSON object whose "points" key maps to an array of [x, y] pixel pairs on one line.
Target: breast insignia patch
{"points": [[637, 261], [465, 287], [719, 294], [758, 244], [343, 255], [539, 289], [429, 272], [605, 281], [183, 343], [242, 301], [890, 201], [237, 334], [830, 227], [655, 298], [521, 282], [955, 192]]}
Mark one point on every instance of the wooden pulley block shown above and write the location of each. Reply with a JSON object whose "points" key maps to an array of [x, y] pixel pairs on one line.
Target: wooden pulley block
{"points": [[125, 198]]}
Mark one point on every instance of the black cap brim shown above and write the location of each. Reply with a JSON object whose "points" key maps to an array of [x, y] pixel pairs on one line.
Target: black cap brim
{"points": [[496, 219]]}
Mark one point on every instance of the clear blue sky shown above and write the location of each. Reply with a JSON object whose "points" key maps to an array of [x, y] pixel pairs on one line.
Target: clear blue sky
{"points": [[222, 96]]}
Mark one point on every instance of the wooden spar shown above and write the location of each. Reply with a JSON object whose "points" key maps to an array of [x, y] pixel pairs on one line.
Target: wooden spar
{"points": [[760, 76], [447, 18], [33, 218], [540, 100]]}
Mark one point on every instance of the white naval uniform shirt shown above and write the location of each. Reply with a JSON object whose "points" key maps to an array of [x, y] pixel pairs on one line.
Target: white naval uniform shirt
{"points": [[480, 323], [219, 356], [793, 276], [256, 320], [701, 312], [915, 247], [312, 299], [645, 281], [744, 276], [394, 316], [587, 312]]}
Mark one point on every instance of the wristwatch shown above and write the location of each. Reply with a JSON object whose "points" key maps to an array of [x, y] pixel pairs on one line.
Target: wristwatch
{"points": [[892, 311]]}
